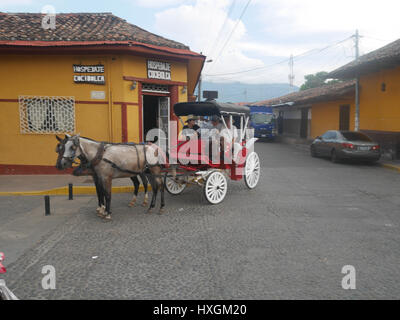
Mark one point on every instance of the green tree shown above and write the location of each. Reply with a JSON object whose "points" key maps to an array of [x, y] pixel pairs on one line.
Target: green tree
{"points": [[316, 80]]}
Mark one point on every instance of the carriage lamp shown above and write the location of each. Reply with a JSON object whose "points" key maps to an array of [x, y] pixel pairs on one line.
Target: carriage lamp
{"points": [[133, 86], [184, 89], [383, 87]]}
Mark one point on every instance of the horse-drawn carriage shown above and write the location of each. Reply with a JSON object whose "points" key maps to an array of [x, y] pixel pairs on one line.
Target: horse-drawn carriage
{"points": [[199, 162], [196, 161]]}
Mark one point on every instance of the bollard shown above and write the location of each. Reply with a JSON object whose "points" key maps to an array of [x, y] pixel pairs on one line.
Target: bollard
{"points": [[47, 205], [70, 192]]}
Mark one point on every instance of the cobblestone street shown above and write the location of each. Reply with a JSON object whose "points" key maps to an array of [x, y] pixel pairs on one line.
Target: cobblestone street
{"points": [[287, 239]]}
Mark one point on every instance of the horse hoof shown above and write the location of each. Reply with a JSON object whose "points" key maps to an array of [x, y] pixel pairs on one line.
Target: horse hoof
{"points": [[131, 204], [107, 217], [144, 204], [150, 210], [161, 211]]}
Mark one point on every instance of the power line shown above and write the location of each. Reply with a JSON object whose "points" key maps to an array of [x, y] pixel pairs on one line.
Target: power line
{"points": [[222, 28], [233, 30], [298, 57]]}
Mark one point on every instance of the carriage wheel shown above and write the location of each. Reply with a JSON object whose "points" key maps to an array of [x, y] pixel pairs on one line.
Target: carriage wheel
{"points": [[215, 187], [252, 170], [173, 187]]}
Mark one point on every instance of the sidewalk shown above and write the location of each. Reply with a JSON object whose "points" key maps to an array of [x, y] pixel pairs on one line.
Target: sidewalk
{"points": [[55, 185]]}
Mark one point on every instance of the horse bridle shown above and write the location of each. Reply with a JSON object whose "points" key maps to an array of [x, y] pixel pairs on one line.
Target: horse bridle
{"points": [[74, 148]]}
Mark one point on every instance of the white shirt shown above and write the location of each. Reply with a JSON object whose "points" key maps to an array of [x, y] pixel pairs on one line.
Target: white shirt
{"points": [[227, 134]]}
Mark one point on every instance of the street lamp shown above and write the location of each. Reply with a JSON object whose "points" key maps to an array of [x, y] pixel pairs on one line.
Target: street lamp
{"points": [[199, 87]]}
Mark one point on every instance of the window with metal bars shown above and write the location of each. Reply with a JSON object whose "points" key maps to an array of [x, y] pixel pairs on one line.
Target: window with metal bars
{"points": [[157, 88], [40, 114]]}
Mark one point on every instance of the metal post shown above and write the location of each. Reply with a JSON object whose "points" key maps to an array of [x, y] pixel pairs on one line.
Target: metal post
{"points": [[47, 205], [357, 102], [70, 192], [199, 90]]}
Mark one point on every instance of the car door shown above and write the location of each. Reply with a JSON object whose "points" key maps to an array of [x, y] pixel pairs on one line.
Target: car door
{"points": [[331, 142], [322, 146]]}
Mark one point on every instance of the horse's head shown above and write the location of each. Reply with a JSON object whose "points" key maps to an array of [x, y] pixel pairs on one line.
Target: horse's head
{"points": [[68, 150]]}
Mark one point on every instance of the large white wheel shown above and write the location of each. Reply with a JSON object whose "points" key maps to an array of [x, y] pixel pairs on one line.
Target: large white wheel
{"points": [[215, 187], [173, 187], [252, 170]]}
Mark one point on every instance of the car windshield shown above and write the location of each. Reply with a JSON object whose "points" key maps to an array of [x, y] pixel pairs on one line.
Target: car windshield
{"points": [[356, 136], [261, 118]]}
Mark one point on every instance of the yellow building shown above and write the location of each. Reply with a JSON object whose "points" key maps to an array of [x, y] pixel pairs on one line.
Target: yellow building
{"points": [[379, 78], [309, 113], [94, 74]]}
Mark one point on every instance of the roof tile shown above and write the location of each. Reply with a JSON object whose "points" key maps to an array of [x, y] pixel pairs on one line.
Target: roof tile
{"points": [[78, 27]]}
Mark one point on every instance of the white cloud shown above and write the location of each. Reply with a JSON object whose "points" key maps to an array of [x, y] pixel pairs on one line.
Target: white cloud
{"points": [[199, 25], [158, 3], [279, 28]]}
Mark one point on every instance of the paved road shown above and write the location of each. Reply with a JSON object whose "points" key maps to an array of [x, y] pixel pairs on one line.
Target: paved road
{"points": [[289, 238]]}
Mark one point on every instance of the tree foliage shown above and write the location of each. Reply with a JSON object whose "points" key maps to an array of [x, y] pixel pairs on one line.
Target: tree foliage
{"points": [[316, 80]]}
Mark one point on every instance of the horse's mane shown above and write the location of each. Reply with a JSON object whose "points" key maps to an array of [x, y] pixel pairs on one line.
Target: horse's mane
{"points": [[113, 143]]}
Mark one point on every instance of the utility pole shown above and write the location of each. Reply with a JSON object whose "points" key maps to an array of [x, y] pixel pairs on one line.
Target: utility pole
{"points": [[291, 75], [199, 86], [199, 89], [357, 111]]}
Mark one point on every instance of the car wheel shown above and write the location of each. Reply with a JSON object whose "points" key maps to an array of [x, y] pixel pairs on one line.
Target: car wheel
{"points": [[313, 152], [334, 157]]}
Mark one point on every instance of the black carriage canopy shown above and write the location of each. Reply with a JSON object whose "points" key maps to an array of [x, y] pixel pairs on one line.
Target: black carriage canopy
{"points": [[209, 108]]}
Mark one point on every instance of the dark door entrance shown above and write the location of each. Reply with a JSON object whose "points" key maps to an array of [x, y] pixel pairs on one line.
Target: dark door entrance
{"points": [[150, 114], [304, 123], [344, 118]]}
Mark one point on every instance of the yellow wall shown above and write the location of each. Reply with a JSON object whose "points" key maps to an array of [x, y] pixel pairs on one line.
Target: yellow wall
{"points": [[325, 116], [52, 75], [380, 110]]}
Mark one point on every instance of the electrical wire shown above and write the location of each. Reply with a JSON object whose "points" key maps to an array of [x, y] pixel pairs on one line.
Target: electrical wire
{"points": [[297, 57], [230, 35], [213, 47]]}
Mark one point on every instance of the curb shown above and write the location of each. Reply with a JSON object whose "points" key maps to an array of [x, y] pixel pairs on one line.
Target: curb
{"points": [[62, 191], [391, 167]]}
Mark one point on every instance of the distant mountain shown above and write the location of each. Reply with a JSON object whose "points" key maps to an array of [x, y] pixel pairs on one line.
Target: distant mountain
{"points": [[243, 92]]}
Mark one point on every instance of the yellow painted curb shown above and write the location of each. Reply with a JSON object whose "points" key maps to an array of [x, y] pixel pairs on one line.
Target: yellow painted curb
{"points": [[391, 167], [64, 191]]}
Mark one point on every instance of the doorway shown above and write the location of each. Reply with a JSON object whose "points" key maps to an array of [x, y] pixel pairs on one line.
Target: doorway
{"points": [[304, 123], [156, 112], [344, 118]]}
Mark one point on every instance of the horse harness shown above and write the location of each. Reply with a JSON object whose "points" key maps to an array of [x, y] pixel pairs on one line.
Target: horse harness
{"points": [[99, 157]]}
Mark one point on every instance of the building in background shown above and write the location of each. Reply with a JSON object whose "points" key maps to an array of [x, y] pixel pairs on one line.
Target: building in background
{"points": [[94, 74], [309, 113], [379, 78]]}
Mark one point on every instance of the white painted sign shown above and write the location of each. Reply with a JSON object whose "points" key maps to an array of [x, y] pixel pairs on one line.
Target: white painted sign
{"points": [[158, 70], [97, 95]]}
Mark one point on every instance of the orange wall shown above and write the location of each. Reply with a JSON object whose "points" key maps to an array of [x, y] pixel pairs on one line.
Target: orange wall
{"points": [[52, 75], [380, 110], [325, 116]]}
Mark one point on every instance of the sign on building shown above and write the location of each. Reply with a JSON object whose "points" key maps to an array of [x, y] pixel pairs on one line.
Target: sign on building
{"points": [[158, 70], [89, 78]]}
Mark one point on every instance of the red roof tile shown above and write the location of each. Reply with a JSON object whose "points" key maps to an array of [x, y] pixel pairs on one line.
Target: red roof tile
{"points": [[86, 28]]}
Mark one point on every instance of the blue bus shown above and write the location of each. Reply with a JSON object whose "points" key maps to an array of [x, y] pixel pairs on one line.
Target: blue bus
{"points": [[263, 121]]}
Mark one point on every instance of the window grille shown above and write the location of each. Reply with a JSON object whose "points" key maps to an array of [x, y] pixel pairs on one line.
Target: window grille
{"points": [[47, 114], [157, 88]]}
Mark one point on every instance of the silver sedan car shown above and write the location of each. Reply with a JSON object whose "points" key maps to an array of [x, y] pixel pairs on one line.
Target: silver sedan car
{"points": [[340, 145]]}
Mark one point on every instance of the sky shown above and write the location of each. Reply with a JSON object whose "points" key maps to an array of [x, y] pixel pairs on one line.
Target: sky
{"points": [[251, 41]]}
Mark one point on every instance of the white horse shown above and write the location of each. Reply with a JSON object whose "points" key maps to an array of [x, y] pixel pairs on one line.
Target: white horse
{"points": [[111, 161]]}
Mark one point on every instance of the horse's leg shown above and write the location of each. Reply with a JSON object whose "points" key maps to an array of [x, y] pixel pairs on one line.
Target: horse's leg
{"points": [[136, 184], [107, 188], [154, 187], [100, 196], [162, 185], [145, 185]]}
